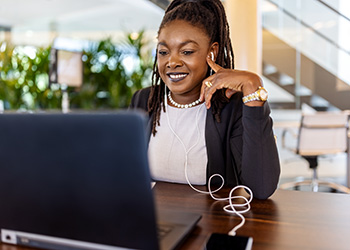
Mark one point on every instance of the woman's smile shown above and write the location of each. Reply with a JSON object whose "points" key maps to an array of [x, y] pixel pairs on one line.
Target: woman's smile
{"points": [[177, 77]]}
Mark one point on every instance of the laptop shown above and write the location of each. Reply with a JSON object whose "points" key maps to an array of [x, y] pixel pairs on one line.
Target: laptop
{"points": [[81, 181]]}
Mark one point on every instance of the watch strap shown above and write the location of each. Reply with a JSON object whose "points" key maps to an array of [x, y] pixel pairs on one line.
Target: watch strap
{"points": [[253, 96]]}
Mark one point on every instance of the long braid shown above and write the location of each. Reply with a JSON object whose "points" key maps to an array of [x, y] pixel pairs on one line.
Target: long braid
{"points": [[210, 16], [156, 97]]}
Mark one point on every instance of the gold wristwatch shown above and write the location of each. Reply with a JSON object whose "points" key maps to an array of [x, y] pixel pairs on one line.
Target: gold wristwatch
{"points": [[259, 95]]}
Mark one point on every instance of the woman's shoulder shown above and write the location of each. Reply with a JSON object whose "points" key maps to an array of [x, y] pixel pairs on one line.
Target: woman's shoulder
{"points": [[140, 98], [143, 93]]}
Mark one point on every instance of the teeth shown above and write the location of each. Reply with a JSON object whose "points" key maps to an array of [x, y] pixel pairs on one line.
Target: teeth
{"points": [[172, 76]]}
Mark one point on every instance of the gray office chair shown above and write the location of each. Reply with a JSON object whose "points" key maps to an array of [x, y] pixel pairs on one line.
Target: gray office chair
{"points": [[321, 134]]}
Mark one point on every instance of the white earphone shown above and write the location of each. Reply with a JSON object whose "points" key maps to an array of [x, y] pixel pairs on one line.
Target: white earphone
{"points": [[212, 56]]}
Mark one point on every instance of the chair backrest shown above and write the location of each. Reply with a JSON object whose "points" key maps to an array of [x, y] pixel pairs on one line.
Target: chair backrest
{"points": [[323, 133]]}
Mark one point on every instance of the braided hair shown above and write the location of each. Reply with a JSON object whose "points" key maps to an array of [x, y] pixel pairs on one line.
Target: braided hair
{"points": [[210, 16]]}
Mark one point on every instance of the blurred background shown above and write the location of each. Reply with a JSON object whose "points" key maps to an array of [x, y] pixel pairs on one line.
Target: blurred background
{"points": [[94, 54]]}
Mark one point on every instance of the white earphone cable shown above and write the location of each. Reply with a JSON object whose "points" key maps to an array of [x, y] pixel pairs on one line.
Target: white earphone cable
{"points": [[231, 207]]}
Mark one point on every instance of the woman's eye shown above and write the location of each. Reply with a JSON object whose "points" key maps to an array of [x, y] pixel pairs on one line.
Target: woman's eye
{"points": [[187, 52], [162, 52]]}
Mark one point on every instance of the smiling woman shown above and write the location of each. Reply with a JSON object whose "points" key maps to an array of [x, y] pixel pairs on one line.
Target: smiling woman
{"points": [[182, 52], [199, 125]]}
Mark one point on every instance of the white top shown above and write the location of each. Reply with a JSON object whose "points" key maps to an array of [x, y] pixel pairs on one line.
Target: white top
{"points": [[177, 137]]}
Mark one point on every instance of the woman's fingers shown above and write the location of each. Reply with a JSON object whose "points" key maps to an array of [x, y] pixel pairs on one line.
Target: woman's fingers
{"points": [[230, 79], [209, 82], [229, 93], [223, 78], [215, 67], [209, 92], [206, 84]]}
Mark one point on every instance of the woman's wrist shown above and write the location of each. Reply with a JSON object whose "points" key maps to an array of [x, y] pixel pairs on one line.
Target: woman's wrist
{"points": [[251, 91], [251, 85]]}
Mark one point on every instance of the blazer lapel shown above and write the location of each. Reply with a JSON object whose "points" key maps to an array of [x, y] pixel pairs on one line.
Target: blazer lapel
{"points": [[214, 134]]}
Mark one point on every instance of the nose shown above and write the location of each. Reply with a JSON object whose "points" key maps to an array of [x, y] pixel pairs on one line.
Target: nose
{"points": [[174, 61]]}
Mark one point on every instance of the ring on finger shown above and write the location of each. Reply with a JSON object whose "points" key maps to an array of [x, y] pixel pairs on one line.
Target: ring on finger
{"points": [[209, 84]]}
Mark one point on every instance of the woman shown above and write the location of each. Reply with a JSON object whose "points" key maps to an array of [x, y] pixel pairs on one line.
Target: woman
{"points": [[199, 125]]}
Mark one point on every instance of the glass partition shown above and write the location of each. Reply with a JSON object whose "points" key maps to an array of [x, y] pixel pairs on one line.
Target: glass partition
{"points": [[313, 28]]}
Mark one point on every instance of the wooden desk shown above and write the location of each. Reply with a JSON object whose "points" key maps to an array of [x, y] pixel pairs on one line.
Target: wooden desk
{"points": [[288, 220]]}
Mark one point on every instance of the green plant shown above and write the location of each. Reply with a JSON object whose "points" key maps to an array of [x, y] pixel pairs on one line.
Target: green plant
{"points": [[6, 82], [111, 74], [24, 78], [141, 75]]}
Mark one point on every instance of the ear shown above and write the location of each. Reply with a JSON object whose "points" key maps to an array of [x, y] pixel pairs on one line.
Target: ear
{"points": [[213, 51]]}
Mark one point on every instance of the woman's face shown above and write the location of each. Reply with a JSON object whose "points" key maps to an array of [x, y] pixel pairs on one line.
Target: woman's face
{"points": [[182, 51]]}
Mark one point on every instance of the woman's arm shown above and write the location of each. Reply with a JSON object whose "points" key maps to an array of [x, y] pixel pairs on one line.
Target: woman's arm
{"points": [[260, 162], [260, 168], [232, 81]]}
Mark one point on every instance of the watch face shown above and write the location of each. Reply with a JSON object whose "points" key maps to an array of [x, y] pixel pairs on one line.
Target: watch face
{"points": [[263, 94]]}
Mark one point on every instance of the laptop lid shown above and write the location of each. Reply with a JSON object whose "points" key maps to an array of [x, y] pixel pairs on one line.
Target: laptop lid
{"points": [[76, 181]]}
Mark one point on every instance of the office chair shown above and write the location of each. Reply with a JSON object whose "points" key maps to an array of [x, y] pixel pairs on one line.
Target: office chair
{"points": [[320, 134]]}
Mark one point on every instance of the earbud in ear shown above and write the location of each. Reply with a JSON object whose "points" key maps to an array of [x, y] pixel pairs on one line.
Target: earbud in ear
{"points": [[212, 56]]}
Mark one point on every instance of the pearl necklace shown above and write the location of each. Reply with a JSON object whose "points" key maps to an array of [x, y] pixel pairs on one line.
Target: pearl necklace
{"points": [[183, 106]]}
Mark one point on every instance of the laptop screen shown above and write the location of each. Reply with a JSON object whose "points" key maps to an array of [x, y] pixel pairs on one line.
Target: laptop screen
{"points": [[80, 177]]}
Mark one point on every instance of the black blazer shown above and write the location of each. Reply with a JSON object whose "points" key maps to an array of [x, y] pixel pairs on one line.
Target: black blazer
{"points": [[241, 148]]}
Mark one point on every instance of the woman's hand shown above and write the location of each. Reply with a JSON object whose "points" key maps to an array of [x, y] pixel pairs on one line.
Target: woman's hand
{"points": [[230, 79]]}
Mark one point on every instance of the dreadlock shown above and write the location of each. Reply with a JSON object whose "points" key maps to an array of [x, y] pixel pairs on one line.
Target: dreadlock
{"points": [[210, 16]]}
